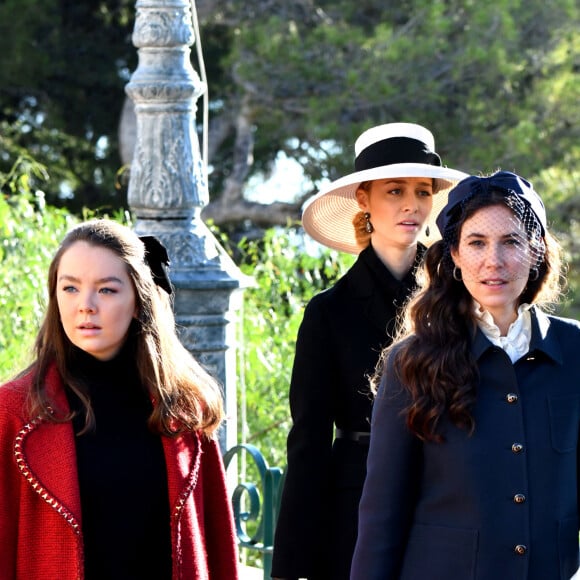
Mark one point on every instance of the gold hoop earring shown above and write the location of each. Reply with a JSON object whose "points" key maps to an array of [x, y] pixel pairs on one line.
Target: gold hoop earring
{"points": [[457, 274], [368, 226]]}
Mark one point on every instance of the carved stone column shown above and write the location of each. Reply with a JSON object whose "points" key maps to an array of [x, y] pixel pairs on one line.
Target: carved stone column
{"points": [[168, 188]]}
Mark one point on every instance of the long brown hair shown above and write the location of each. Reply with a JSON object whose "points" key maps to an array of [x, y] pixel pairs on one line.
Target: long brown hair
{"points": [[185, 396], [431, 353]]}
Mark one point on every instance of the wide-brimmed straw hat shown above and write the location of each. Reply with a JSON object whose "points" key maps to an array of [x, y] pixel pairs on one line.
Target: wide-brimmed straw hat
{"points": [[390, 150]]}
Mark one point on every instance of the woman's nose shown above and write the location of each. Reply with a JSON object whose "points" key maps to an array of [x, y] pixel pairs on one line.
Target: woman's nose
{"points": [[494, 256], [87, 304], [410, 203]]}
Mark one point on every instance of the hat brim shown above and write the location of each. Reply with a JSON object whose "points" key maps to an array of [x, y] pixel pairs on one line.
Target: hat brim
{"points": [[328, 216]]}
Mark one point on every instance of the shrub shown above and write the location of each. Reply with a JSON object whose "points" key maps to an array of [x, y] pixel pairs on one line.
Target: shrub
{"points": [[29, 234], [286, 277]]}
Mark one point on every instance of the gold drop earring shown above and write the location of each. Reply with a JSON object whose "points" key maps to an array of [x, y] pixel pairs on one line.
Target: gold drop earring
{"points": [[368, 226]]}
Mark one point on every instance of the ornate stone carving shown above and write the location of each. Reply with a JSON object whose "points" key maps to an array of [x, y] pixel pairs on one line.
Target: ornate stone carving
{"points": [[168, 188]]}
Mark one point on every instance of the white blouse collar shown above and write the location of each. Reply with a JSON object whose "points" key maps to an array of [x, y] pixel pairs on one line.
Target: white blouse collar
{"points": [[517, 341]]}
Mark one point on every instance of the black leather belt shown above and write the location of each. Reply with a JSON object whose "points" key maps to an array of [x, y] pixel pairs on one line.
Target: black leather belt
{"points": [[362, 437]]}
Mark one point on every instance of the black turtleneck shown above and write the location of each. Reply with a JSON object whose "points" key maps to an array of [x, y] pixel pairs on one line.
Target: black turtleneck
{"points": [[122, 475], [396, 292], [399, 289]]}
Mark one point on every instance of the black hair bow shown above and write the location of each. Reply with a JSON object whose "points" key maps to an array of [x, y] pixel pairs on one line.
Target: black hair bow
{"points": [[157, 259]]}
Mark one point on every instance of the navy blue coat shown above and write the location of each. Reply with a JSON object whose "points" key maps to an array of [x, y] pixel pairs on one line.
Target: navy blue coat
{"points": [[342, 333], [501, 504]]}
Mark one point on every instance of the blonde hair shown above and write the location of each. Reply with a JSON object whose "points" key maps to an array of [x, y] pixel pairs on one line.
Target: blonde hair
{"points": [[359, 222]]}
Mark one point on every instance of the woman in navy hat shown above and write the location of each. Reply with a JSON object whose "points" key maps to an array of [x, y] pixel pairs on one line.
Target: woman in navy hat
{"points": [[379, 212], [473, 460]]}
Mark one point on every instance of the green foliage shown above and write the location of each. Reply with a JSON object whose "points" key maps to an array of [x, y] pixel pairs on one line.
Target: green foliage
{"points": [[29, 234], [286, 277], [63, 67], [498, 87], [30, 231], [560, 189]]}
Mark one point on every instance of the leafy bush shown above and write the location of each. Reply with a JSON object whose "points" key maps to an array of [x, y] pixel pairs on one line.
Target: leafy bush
{"points": [[286, 277], [29, 234]]}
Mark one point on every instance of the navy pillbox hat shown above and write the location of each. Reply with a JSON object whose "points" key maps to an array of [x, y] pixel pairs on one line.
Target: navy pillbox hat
{"points": [[502, 180]]}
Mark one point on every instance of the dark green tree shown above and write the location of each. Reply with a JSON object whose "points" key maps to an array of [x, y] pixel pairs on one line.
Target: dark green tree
{"points": [[63, 69], [498, 87]]}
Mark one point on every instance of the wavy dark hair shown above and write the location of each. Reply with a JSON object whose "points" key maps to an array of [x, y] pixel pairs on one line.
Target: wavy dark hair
{"points": [[185, 396], [431, 352]]}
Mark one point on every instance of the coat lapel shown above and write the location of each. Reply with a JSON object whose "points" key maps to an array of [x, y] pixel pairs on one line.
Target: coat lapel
{"points": [[542, 340], [48, 459], [379, 294], [182, 457], [364, 290]]}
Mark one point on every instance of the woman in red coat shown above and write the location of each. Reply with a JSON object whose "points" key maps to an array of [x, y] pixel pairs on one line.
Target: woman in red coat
{"points": [[109, 467]]}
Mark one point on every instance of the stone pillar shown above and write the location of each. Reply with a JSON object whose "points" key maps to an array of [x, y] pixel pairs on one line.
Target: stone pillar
{"points": [[168, 188]]}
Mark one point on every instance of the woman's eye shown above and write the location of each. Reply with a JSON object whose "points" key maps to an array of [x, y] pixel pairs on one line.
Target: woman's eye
{"points": [[69, 289], [425, 194], [395, 191], [107, 291]]}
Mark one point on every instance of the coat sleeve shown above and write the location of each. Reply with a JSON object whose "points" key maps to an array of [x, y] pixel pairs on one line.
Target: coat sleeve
{"points": [[303, 520], [390, 489]]}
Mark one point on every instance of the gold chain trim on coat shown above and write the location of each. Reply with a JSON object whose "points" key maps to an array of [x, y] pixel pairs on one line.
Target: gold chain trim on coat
{"points": [[33, 481]]}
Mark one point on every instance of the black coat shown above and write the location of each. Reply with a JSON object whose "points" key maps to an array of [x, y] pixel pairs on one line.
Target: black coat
{"points": [[500, 504], [342, 333]]}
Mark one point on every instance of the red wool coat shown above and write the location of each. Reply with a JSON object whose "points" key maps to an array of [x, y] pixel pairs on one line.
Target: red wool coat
{"points": [[40, 506]]}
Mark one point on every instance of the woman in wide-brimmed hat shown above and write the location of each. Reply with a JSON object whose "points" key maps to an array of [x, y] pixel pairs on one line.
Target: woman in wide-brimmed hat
{"points": [[381, 211]]}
